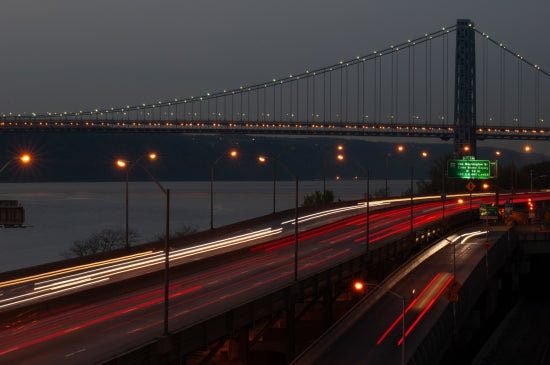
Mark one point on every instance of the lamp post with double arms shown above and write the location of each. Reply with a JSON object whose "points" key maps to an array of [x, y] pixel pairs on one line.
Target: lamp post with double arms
{"points": [[341, 157], [264, 159], [129, 166], [121, 163], [339, 148], [423, 154]]}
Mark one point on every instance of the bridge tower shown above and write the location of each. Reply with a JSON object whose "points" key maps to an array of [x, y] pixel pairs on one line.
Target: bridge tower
{"points": [[465, 89]]}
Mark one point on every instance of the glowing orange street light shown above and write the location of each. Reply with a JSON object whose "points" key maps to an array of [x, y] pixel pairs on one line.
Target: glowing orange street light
{"points": [[527, 148], [25, 158], [358, 286], [485, 186], [400, 148]]}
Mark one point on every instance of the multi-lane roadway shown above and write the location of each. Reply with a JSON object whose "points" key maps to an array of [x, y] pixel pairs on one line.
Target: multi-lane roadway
{"points": [[89, 330]]}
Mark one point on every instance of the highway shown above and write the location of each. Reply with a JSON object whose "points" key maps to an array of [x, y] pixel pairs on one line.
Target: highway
{"points": [[376, 336], [92, 330]]}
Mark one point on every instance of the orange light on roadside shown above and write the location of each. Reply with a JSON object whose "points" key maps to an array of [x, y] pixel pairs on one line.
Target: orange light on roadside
{"points": [[340, 147], [466, 148], [262, 159], [26, 158], [460, 201], [527, 148], [121, 163], [485, 186], [358, 286], [400, 148], [497, 152], [233, 153], [424, 154], [340, 157], [152, 156]]}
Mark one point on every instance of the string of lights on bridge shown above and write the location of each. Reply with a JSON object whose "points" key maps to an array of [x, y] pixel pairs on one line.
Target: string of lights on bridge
{"points": [[120, 118]]}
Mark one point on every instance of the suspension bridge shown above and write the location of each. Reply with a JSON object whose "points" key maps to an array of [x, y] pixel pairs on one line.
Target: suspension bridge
{"points": [[403, 90]]}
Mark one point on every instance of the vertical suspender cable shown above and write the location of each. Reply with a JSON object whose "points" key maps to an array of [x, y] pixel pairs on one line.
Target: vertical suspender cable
{"points": [[380, 90], [364, 94], [357, 115], [330, 96], [290, 101], [413, 81], [313, 96], [346, 94], [443, 89], [448, 93], [397, 86], [281, 101], [426, 82], [324, 99], [392, 105], [409, 89], [375, 79], [341, 92]]}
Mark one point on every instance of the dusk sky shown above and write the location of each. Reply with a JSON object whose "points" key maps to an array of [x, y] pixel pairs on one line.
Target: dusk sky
{"points": [[67, 55]]}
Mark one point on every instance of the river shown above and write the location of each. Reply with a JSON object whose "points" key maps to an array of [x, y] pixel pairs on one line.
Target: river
{"points": [[58, 214]]}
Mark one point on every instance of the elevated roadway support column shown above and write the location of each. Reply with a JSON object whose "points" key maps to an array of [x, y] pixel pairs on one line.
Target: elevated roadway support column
{"points": [[465, 89], [291, 324]]}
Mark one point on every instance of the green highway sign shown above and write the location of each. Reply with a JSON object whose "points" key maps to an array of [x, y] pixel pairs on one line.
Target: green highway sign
{"points": [[469, 169], [488, 211]]}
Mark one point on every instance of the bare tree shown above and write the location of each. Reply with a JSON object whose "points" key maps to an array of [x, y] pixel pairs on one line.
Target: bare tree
{"points": [[106, 240]]}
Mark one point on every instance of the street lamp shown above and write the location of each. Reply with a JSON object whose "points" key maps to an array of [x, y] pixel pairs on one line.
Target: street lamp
{"points": [[399, 148], [338, 148], [166, 192], [23, 159], [340, 157], [387, 157], [423, 154], [360, 285], [123, 164], [232, 154], [264, 159]]}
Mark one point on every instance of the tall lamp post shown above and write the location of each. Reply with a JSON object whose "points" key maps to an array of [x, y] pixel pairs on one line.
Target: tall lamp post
{"points": [[23, 159], [128, 166], [340, 157], [387, 157], [166, 192], [232, 154], [423, 154], [264, 159], [339, 148], [359, 286]]}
